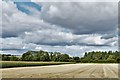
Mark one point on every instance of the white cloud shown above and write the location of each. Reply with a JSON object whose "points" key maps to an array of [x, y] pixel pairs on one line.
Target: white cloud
{"points": [[71, 28], [82, 17], [38, 48], [12, 43], [16, 22], [58, 38], [75, 0]]}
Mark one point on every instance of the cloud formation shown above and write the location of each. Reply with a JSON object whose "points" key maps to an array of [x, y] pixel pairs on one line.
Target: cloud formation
{"points": [[72, 28], [82, 18]]}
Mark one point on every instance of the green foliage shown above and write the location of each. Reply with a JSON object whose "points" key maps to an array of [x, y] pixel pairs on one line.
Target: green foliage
{"points": [[9, 57], [89, 57], [76, 59], [45, 56], [9, 64], [64, 57], [101, 57], [13, 58]]}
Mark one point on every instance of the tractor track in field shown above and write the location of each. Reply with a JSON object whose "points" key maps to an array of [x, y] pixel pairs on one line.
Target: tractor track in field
{"points": [[64, 71]]}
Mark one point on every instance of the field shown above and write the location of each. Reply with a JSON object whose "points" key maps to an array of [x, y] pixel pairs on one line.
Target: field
{"points": [[63, 71], [10, 64]]}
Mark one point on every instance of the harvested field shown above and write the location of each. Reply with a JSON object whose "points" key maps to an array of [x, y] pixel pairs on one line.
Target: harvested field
{"points": [[63, 71]]}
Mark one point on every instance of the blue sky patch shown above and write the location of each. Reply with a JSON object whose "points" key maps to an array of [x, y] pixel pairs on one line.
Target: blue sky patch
{"points": [[21, 6], [18, 0]]}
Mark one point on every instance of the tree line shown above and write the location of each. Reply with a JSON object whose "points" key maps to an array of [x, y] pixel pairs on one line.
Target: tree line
{"points": [[101, 57], [41, 56], [89, 57]]}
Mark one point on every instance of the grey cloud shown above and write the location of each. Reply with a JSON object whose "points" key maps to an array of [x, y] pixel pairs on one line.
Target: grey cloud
{"points": [[71, 28], [16, 23], [108, 36], [58, 38], [13, 52], [82, 18], [11, 43]]}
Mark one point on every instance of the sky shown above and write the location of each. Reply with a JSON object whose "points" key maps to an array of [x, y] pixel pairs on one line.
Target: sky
{"points": [[67, 27]]}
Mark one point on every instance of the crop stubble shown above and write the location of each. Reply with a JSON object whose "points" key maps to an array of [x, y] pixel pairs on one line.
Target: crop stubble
{"points": [[63, 71]]}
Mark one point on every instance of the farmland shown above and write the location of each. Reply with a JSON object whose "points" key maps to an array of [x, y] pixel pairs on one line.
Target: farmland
{"points": [[9, 64], [88, 70], [41, 64]]}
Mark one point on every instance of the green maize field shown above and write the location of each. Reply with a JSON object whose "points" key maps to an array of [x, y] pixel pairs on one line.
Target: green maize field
{"points": [[10, 64]]}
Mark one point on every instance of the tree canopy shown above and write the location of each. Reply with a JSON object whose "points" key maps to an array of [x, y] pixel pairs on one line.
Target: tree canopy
{"points": [[89, 57], [101, 57]]}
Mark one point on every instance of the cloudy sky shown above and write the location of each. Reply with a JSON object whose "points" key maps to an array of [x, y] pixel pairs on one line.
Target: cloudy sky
{"points": [[66, 27]]}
